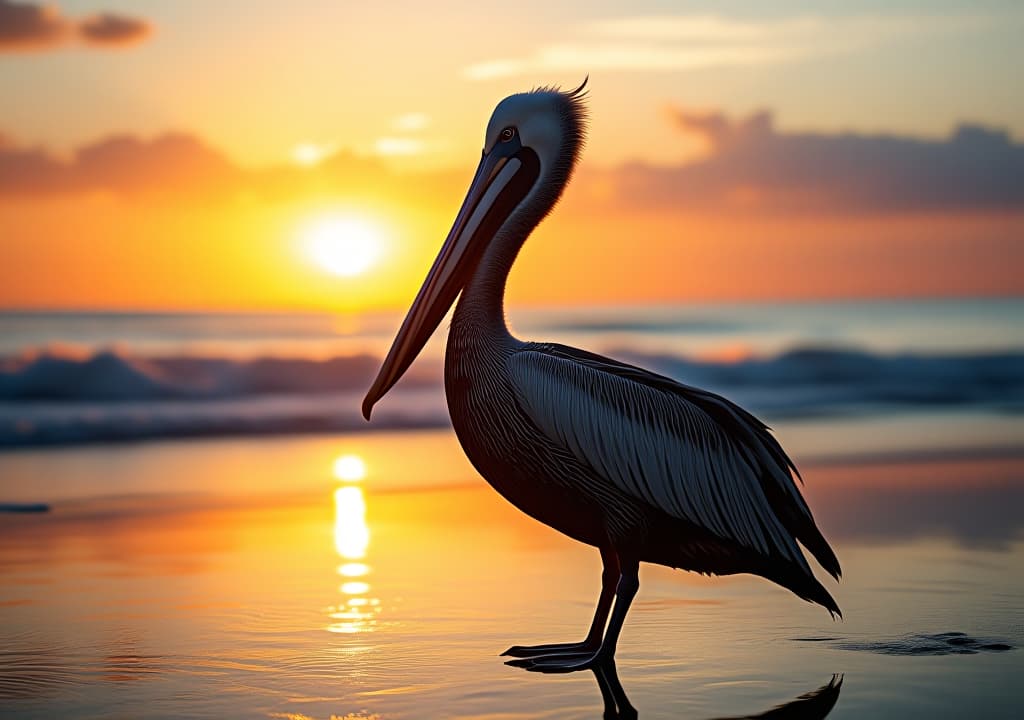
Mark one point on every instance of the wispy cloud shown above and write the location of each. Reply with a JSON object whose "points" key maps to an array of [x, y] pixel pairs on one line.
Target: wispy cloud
{"points": [[398, 146], [309, 154], [690, 42], [411, 122]]}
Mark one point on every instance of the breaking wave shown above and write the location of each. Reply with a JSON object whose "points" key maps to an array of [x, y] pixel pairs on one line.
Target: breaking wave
{"points": [[830, 381], [51, 397]]}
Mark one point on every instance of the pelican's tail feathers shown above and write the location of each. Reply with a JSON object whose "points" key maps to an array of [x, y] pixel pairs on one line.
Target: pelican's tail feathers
{"points": [[804, 586], [816, 543]]}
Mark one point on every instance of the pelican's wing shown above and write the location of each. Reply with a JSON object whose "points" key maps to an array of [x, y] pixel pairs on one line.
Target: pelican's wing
{"points": [[688, 452]]}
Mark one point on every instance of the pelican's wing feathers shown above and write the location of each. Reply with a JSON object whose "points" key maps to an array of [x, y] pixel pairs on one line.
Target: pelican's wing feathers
{"points": [[689, 452]]}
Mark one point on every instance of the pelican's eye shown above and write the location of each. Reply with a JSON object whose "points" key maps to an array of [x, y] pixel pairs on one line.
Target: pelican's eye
{"points": [[507, 134]]}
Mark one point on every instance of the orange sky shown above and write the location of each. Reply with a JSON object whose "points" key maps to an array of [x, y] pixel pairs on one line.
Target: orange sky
{"points": [[96, 251], [159, 159]]}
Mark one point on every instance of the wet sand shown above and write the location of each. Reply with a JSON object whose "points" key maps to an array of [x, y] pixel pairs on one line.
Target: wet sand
{"points": [[275, 590]]}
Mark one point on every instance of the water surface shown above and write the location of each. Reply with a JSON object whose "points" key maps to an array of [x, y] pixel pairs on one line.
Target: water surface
{"points": [[238, 578]]}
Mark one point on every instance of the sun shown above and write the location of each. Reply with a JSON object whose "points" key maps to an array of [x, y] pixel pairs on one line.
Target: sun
{"points": [[345, 246], [350, 468]]}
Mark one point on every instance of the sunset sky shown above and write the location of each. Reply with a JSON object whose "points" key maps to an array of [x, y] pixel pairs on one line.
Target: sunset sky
{"points": [[311, 155]]}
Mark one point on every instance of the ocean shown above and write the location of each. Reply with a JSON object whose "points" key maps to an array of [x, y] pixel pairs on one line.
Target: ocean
{"points": [[211, 530], [100, 377]]}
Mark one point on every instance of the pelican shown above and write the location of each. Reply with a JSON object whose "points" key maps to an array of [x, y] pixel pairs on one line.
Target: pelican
{"points": [[641, 467]]}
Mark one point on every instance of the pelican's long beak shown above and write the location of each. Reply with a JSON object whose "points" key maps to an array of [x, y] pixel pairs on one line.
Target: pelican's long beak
{"points": [[451, 270]]}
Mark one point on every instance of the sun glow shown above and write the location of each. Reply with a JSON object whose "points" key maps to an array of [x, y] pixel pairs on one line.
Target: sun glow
{"points": [[349, 468], [345, 246]]}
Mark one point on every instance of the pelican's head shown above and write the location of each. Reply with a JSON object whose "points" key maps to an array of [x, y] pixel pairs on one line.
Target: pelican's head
{"points": [[546, 122], [531, 145]]}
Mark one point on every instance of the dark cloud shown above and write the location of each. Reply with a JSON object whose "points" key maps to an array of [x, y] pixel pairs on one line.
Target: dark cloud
{"points": [[111, 29], [24, 26], [125, 164], [753, 165], [29, 27], [30, 171]]}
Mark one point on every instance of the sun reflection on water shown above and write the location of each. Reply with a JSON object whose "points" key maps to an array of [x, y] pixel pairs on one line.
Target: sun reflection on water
{"points": [[353, 569], [357, 613], [351, 533]]}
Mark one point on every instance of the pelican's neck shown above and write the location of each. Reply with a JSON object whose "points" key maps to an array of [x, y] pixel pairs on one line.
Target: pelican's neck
{"points": [[482, 303], [481, 306]]}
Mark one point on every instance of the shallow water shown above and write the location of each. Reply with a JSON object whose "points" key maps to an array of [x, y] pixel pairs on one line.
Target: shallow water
{"points": [[283, 594]]}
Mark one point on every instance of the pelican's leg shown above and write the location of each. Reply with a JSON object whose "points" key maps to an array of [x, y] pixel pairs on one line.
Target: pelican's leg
{"points": [[629, 583], [609, 577]]}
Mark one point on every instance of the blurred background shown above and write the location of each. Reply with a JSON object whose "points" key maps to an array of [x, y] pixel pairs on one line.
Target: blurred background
{"points": [[213, 216]]}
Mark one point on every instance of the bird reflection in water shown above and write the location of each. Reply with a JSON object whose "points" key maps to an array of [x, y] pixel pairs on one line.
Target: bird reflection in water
{"points": [[357, 611], [812, 705]]}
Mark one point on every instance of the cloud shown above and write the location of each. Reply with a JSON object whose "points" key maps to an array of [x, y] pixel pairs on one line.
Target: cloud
{"points": [[170, 165], [175, 160], [27, 27], [411, 122], [398, 146], [628, 57], [125, 164], [110, 29], [24, 26], [691, 42], [30, 171], [752, 165], [309, 154]]}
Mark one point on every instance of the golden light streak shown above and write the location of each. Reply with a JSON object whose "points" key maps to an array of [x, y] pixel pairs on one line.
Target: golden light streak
{"points": [[351, 539], [351, 534]]}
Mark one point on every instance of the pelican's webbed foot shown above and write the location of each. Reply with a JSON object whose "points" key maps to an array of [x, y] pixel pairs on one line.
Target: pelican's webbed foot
{"points": [[592, 643], [594, 651], [533, 651], [564, 662]]}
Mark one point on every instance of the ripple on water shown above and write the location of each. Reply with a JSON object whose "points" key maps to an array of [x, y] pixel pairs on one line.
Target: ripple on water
{"points": [[27, 674], [946, 643]]}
